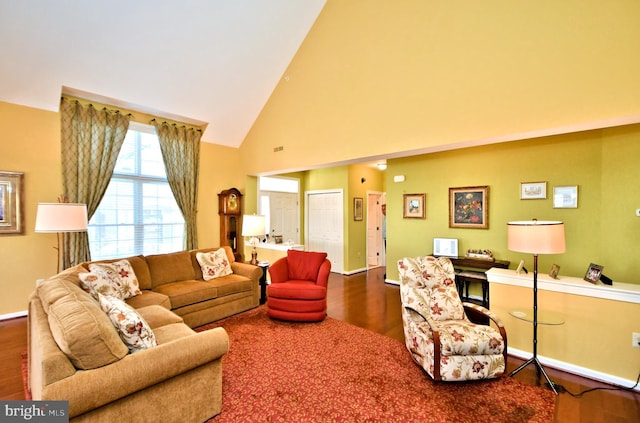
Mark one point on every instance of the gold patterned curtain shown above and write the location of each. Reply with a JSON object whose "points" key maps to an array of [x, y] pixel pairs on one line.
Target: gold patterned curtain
{"points": [[91, 142], [181, 154]]}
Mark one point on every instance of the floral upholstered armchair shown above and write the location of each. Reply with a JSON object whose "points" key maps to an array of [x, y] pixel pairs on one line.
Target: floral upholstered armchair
{"points": [[437, 329]]}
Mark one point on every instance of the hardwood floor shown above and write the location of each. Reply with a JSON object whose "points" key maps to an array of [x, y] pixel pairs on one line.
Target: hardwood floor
{"points": [[366, 301]]}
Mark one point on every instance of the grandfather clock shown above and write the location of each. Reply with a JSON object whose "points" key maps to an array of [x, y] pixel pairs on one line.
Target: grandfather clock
{"points": [[230, 209]]}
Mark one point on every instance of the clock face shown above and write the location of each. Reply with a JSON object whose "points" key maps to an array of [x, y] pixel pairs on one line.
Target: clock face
{"points": [[232, 203]]}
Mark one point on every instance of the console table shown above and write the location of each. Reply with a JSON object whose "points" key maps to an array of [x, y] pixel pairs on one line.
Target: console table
{"points": [[472, 270]]}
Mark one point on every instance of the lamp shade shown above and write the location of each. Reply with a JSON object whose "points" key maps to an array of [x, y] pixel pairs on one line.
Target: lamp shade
{"points": [[253, 225], [536, 237], [61, 217]]}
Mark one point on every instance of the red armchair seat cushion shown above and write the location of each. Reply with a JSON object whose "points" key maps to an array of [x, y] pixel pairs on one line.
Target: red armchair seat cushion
{"points": [[297, 289]]}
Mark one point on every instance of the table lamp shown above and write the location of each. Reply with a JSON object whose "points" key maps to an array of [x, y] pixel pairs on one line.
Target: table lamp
{"points": [[253, 226], [536, 237], [61, 217]]}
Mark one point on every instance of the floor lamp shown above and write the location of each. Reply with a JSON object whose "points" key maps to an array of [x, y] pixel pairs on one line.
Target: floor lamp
{"points": [[536, 237], [253, 226], [61, 217]]}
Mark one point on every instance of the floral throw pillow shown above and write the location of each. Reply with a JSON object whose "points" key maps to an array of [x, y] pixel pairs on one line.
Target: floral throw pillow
{"points": [[214, 264], [115, 279], [134, 331]]}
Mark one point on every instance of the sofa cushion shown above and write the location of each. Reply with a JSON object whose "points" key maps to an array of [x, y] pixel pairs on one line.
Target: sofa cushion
{"points": [[132, 328], [157, 316], [167, 268], [304, 265], [188, 292], [78, 325], [50, 292], [116, 279], [231, 284], [148, 298], [214, 264]]}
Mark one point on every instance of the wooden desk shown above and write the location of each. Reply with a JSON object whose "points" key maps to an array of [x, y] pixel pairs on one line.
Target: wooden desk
{"points": [[472, 270]]}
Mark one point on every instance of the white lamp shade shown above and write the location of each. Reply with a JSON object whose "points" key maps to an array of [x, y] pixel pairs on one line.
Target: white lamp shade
{"points": [[253, 225], [61, 217], [536, 237]]}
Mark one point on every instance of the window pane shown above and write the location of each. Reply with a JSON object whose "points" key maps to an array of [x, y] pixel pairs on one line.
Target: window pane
{"points": [[128, 158], [151, 154], [138, 214]]}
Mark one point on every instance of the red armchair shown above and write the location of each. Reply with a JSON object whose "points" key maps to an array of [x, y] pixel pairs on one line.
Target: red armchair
{"points": [[298, 289]]}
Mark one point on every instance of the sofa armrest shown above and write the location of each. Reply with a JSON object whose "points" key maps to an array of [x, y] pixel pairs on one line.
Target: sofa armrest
{"points": [[90, 389], [248, 270]]}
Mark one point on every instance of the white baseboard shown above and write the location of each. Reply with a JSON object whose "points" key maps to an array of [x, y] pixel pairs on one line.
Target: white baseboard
{"points": [[13, 315], [353, 272], [576, 370]]}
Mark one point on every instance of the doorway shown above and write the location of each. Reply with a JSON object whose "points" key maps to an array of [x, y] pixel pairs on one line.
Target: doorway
{"points": [[376, 254]]}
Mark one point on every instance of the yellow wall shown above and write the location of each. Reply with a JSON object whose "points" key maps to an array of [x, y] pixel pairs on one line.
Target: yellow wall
{"points": [[603, 229], [30, 144], [377, 76], [596, 333], [30, 140]]}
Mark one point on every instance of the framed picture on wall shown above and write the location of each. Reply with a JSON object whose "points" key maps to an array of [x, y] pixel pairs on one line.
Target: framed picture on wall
{"points": [[413, 206], [565, 197], [469, 207], [357, 208], [533, 190], [11, 207]]}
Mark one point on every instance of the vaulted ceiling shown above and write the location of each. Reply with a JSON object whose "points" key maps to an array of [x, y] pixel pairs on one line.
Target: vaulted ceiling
{"points": [[212, 62]]}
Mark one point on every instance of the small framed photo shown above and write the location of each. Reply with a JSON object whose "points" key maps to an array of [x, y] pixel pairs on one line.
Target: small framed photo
{"points": [[520, 267], [11, 206], [565, 197], [447, 247], [554, 271], [413, 206], [357, 208], [593, 273], [469, 207], [533, 190]]}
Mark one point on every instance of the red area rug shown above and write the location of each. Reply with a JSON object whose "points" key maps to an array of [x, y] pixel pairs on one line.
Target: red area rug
{"points": [[336, 372]]}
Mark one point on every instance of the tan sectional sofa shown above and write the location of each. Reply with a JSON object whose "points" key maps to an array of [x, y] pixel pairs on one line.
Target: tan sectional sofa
{"points": [[75, 352], [175, 281]]}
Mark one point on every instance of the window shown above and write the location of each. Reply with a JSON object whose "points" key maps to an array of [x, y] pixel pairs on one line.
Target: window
{"points": [[138, 213]]}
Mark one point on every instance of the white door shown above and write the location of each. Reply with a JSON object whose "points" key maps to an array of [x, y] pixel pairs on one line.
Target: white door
{"points": [[284, 215], [374, 230], [325, 225]]}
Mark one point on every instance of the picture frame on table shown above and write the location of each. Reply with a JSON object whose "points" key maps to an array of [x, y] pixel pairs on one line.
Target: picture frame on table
{"points": [[469, 207], [593, 273], [358, 208], [413, 206], [565, 197], [533, 190], [446, 247], [11, 203]]}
